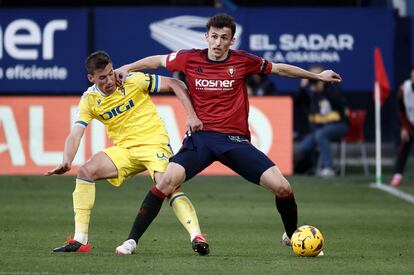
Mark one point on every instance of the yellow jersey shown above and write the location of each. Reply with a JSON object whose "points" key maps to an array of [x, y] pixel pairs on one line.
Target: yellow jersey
{"points": [[130, 116]]}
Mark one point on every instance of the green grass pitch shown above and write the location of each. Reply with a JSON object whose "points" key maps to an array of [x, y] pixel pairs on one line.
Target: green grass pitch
{"points": [[366, 231]]}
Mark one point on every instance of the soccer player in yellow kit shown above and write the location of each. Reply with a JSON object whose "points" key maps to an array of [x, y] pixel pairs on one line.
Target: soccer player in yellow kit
{"points": [[140, 143]]}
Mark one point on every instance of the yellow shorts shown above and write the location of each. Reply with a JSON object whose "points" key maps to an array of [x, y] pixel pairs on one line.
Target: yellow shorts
{"points": [[134, 160]]}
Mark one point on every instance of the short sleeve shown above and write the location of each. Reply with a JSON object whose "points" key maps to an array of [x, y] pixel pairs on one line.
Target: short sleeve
{"points": [[84, 115], [255, 64], [145, 82], [176, 61]]}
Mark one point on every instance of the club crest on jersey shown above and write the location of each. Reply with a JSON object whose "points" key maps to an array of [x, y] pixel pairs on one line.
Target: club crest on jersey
{"points": [[122, 89], [99, 102], [231, 71]]}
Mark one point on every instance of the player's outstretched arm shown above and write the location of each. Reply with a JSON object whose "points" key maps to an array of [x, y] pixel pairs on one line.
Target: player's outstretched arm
{"points": [[71, 147], [148, 63], [286, 70], [169, 84]]}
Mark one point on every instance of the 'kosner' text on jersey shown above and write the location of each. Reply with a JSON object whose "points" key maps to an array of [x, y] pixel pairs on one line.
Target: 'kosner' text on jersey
{"points": [[205, 84]]}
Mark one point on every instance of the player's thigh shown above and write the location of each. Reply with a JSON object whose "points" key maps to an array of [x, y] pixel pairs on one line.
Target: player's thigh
{"points": [[194, 156], [100, 166], [247, 161], [123, 160], [154, 158]]}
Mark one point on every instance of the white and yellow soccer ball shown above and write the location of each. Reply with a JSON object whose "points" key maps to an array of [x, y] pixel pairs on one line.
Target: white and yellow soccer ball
{"points": [[307, 241]]}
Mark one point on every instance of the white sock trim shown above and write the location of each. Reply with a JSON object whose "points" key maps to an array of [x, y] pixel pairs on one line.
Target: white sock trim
{"points": [[81, 237]]}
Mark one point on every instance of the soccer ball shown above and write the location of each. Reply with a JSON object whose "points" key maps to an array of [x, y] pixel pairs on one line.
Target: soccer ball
{"points": [[307, 241]]}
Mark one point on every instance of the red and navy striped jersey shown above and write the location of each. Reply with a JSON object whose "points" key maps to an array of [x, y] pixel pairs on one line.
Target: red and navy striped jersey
{"points": [[218, 88]]}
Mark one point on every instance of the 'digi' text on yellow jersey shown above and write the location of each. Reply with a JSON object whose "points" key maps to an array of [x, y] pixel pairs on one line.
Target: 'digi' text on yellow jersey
{"points": [[129, 114]]}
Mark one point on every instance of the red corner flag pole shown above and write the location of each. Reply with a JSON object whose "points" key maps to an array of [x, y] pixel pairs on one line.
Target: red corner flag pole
{"points": [[381, 93]]}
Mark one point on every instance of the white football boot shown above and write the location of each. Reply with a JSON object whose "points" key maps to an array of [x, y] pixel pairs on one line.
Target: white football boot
{"points": [[127, 248], [286, 239]]}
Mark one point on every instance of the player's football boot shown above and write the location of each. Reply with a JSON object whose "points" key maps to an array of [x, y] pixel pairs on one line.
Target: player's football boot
{"points": [[200, 245], [127, 248], [286, 239], [396, 180], [73, 246]]}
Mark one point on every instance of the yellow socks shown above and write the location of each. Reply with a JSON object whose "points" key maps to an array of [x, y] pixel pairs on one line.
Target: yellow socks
{"points": [[84, 198], [83, 201], [185, 212]]}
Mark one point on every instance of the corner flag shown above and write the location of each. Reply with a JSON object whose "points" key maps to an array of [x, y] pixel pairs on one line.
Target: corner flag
{"points": [[381, 76], [381, 93]]}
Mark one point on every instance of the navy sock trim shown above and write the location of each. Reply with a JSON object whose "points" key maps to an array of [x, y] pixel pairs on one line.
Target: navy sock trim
{"points": [[176, 197], [91, 181]]}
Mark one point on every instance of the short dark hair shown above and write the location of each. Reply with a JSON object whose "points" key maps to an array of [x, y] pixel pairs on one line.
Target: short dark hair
{"points": [[220, 21], [97, 61]]}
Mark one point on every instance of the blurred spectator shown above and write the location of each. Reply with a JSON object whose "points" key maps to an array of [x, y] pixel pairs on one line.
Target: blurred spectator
{"points": [[260, 85], [328, 122], [225, 4], [218, 4], [406, 114]]}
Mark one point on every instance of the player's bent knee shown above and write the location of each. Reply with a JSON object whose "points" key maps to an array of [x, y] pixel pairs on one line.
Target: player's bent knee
{"points": [[84, 172], [273, 180], [172, 179], [167, 186], [281, 188], [284, 190]]}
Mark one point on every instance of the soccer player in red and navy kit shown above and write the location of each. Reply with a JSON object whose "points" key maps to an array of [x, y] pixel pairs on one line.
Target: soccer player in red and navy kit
{"points": [[216, 83], [406, 113]]}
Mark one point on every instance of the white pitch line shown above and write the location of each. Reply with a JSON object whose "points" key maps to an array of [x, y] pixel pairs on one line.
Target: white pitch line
{"points": [[28, 273], [394, 191], [43, 273]]}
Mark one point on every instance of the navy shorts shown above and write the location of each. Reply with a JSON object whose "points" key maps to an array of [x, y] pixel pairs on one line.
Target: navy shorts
{"points": [[203, 148]]}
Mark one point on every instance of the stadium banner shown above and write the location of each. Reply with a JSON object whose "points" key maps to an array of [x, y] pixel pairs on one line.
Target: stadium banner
{"points": [[33, 132], [342, 39], [42, 50]]}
